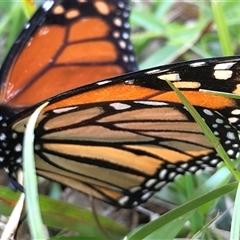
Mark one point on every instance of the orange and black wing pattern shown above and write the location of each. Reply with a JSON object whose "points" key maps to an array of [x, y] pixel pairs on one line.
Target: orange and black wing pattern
{"points": [[65, 45], [123, 138]]}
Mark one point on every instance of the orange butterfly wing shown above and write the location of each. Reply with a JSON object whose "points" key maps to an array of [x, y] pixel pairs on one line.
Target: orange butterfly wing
{"points": [[64, 46], [124, 138], [194, 78], [120, 139]]}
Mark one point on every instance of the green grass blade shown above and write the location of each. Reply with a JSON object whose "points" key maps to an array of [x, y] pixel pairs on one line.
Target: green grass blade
{"points": [[235, 226], [30, 179], [62, 215], [207, 132], [182, 211], [223, 34], [28, 7]]}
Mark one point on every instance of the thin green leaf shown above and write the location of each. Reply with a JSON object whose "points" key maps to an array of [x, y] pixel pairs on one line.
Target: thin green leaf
{"points": [[62, 215], [207, 132], [30, 179], [223, 34], [182, 211], [235, 226]]}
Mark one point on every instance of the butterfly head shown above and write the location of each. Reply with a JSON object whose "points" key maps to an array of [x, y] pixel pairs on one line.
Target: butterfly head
{"points": [[6, 113]]}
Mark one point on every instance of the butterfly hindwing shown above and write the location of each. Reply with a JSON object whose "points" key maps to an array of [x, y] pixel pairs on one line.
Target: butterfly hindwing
{"points": [[139, 145]]}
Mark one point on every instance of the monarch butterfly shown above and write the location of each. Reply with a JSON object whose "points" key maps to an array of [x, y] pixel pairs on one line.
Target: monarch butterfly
{"points": [[65, 45], [123, 138], [147, 136]]}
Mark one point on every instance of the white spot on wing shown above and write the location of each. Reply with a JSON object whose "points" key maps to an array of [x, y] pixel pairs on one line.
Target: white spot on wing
{"points": [[205, 158], [230, 152], [125, 35], [214, 161], [228, 142], [122, 201], [19, 160], [27, 25], [122, 44], [117, 22], [2, 137], [230, 136], [152, 103], [208, 112], [131, 58], [233, 119], [223, 74], [126, 25], [135, 189], [130, 81], [197, 64], [103, 82], [160, 185], [14, 135], [150, 182], [120, 4], [125, 58], [219, 121], [37, 147], [146, 196], [170, 77], [47, 5], [120, 106], [193, 169], [223, 66], [116, 34], [62, 110], [154, 71], [172, 175], [236, 112], [184, 165], [162, 174], [135, 203], [18, 148]]}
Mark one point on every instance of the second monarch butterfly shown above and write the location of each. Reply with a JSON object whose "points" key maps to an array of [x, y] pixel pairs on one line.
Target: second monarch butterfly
{"points": [[124, 138], [66, 44]]}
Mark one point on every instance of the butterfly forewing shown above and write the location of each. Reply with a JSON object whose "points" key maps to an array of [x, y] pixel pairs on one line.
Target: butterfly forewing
{"points": [[67, 44]]}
